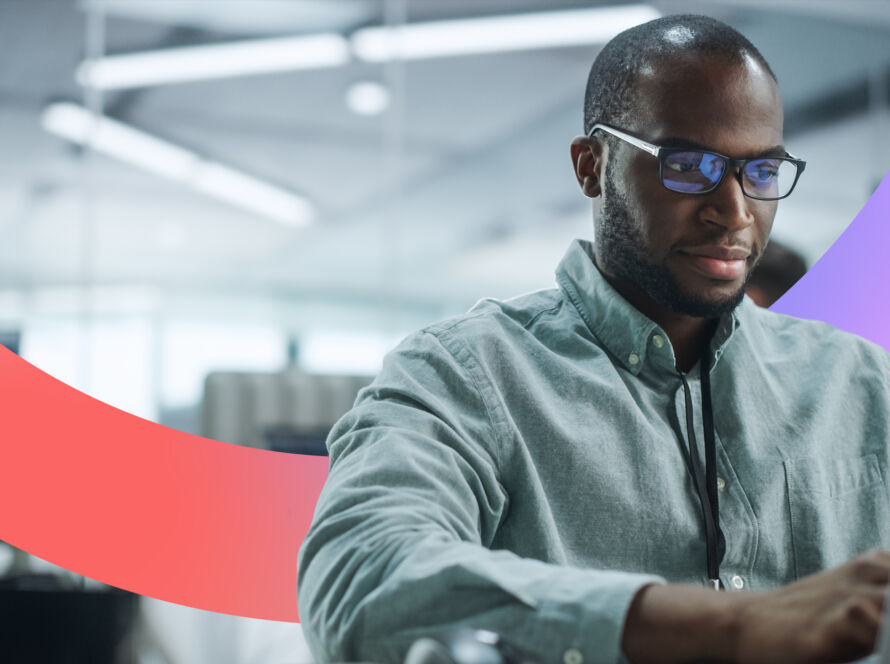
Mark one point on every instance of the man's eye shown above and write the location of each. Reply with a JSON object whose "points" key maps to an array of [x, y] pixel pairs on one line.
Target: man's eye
{"points": [[764, 172]]}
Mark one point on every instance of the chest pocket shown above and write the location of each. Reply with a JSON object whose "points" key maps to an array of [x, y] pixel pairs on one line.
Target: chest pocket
{"points": [[839, 508]]}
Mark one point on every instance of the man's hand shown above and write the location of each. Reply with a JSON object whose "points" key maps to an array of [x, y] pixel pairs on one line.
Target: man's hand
{"points": [[832, 616]]}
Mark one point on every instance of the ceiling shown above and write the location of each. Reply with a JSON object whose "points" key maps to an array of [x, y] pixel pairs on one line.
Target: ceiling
{"points": [[462, 188]]}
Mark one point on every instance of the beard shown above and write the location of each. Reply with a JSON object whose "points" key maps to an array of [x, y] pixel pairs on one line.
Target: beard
{"points": [[621, 246]]}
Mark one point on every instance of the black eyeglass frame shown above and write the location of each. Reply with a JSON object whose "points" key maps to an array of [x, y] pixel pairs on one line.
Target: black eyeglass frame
{"points": [[661, 153]]}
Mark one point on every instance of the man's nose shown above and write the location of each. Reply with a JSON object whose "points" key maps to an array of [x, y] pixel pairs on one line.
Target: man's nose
{"points": [[728, 206]]}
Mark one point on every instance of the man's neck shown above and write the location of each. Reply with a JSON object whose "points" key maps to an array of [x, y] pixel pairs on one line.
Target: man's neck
{"points": [[687, 334]]}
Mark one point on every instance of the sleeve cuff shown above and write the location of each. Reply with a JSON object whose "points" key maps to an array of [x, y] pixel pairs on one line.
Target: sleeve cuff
{"points": [[582, 619]]}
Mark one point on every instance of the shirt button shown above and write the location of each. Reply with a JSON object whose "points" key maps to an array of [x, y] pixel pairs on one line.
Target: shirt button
{"points": [[658, 340], [721, 484], [572, 656], [633, 358], [737, 582]]}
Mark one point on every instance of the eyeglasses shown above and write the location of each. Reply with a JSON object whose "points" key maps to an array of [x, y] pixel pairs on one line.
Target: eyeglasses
{"points": [[692, 171]]}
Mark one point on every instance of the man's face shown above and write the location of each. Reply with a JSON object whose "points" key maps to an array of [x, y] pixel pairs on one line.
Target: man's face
{"points": [[691, 254]]}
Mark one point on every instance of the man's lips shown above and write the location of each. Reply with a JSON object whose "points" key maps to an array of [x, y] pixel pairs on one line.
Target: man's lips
{"points": [[723, 263]]}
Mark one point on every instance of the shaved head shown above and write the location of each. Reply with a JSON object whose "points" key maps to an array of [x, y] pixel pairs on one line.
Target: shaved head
{"points": [[612, 95]]}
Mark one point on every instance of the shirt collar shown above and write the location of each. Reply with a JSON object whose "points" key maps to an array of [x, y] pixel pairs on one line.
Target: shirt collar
{"points": [[633, 339]]}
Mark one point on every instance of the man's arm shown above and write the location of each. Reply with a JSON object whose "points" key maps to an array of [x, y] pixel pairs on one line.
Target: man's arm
{"points": [[400, 547], [832, 616], [401, 541]]}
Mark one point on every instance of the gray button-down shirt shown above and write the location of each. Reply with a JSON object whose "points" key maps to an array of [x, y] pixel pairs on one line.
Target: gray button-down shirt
{"points": [[521, 468]]}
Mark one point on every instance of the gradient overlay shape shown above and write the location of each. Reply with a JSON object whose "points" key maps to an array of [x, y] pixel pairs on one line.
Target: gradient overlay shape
{"points": [[849, 286], [147, 508]]}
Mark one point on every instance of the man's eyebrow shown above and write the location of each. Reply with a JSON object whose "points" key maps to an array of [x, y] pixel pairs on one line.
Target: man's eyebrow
{"points": [[675, 142]]}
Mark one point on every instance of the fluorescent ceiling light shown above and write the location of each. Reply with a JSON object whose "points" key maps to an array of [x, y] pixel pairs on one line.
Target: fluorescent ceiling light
{"points": [[176, 65], [436, 39], [170, 161], [494, 34], [76, 124], [248, 192]]}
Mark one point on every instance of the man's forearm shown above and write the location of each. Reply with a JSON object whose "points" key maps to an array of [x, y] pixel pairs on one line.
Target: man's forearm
{"points": [[832, 616], [679, 623]]}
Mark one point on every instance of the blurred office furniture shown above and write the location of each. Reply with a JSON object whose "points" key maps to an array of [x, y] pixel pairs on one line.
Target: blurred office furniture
{"points": [[11, 339], [288, 411], [43, 618]]}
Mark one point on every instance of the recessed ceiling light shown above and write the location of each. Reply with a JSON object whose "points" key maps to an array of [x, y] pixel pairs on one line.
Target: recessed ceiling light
{"points": [[367, 98]]}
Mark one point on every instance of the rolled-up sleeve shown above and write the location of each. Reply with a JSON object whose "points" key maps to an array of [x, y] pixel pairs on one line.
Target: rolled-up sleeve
{"points": [[400, 545]]}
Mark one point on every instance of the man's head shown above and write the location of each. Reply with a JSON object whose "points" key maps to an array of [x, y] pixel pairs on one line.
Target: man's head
{"points": [[678, 81]]}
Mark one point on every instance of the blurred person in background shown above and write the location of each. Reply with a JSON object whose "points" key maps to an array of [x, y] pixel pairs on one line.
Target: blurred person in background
{"points": [[580, 468], [778, 270]]}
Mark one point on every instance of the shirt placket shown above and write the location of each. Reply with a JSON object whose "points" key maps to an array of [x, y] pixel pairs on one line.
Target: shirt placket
{"points": [[737, 520]]}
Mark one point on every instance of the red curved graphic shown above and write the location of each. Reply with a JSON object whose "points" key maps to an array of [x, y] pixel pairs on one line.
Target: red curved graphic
{"points": [[146, 508]]}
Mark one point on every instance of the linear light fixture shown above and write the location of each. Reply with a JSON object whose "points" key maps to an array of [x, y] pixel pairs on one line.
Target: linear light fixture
{"points": [[116, 139], [177, 65], [433, 39], [493, 34]]}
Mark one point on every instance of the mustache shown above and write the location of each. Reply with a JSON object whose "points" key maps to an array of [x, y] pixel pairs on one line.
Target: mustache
{"points": [[720, 245]]}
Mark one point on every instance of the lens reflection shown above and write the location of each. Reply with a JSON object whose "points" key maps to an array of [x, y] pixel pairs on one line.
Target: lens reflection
{"points": [[769, 178], [692, 172], [697, 172]]}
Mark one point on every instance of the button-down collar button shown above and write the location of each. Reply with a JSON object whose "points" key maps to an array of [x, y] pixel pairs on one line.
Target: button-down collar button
{"points": [[658, 341], [737, 582], [634, 359], [721, 484], [572, 656]]}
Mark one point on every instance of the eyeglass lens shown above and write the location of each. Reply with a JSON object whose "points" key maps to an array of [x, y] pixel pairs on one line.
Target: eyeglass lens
{"points": [[695, 172]]}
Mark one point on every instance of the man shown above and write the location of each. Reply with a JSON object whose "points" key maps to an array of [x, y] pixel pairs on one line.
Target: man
{"points": [[577, 468]]}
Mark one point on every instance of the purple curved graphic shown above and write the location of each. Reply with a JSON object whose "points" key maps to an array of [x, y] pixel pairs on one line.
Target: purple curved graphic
{"points": [[849, 287]]}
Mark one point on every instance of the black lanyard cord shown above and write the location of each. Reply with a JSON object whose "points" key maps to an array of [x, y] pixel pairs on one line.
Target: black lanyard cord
{"points": [[711, 466], [705, 480]]}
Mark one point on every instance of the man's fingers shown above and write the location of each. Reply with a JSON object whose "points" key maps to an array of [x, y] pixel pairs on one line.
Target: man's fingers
{"points": [[866, 610], [862, 620], [878, 555], [872, 567]]}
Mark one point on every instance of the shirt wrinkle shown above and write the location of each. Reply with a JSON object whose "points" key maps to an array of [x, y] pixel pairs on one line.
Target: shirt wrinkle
{"points": [[476, 375]]}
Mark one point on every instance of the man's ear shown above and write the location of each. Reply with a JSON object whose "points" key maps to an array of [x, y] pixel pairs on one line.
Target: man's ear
{"points": [[588, 162]]}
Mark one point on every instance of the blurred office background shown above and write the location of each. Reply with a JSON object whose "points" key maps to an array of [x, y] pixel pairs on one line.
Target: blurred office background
{"points": [[227, 238]]}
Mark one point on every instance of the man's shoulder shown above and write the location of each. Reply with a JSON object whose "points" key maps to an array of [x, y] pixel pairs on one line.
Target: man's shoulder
{"points": [[493, 328], [491, 316]]}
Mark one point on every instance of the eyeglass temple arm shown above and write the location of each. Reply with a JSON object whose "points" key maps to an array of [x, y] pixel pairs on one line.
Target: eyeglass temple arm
{"points": [[633, 140]]}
